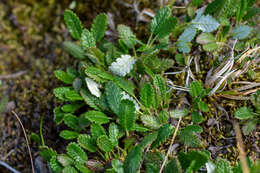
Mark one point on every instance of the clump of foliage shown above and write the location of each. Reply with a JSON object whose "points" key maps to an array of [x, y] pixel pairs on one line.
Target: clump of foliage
{"points": [[118, 101]]}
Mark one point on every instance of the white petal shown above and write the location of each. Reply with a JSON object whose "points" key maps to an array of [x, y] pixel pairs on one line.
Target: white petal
{"points": [[93, 87], [122, 65], [127, 97]]}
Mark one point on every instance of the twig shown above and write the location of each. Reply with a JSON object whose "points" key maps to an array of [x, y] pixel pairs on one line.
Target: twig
{"points": [[240, 146], [169, 149], [232, 97], [9, 167], [14, 75], [27, 141]]}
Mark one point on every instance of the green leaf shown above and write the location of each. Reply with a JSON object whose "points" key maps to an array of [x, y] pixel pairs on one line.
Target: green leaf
{"points": [[68, 134], [127, 36], [203, 106], [183, 47], [148, 139], [87, 40], [196, 117], [198, 158], [72, 121], [73, 24], [64, 77], [188, 35], [98, 74], [35, 137], [249, 126], [58, 115], [155, 65], [96, 117], [89, 99], [126, 114], [205, 38], [73, 95], [87, 143], [210, 47], [118, 166], [150, 121], [73, 49], [82, 168], [205, 23], [139, 128], [153, 161], [125, 85], [251, 12], [164, 132], [64, 160], [71, 108], [223, 166], [46, 153], [241, 10], [96, 55], [76, 153], [173, 166], [133, 160], [158, 22], [179, 113], [160, 83], [113, 134], [60, 92], [244, 113], [69, 169], [163, 116], [114, 96], [99, 26], [188, 137], [55, 166], [104, 143], [215, 7], [241, 32], [97, 130], [166, 27], [147, 95], [196, 89]]}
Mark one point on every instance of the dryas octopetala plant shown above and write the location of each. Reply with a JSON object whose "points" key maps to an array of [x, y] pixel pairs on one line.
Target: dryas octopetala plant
{"points": [[118, 101]]}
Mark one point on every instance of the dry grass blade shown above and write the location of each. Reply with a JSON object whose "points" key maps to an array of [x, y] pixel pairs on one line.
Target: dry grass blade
{"points": [[8, 167], [169, 149], [26, 138], [240, 146]]}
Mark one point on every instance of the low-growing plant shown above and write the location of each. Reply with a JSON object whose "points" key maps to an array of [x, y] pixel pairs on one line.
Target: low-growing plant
{"points": [[118, 99], [246, 114]]}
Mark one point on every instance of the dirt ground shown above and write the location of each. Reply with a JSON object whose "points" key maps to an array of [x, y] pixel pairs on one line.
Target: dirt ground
{"points": [[31, 34]]}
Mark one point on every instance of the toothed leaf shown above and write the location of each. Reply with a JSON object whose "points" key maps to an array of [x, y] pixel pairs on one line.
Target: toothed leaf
{"points": [[126, 114], [104, 143], [67, 134], [87, 40], [164, 132], [73, 24], [133, 160], [96, 117], [76, 153], [87, 143], [99, 26]]}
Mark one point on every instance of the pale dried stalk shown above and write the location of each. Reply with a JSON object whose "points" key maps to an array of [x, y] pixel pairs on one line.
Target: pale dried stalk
{"points": [[234, 97], [240, 146], [26, 139], [169, 149]]}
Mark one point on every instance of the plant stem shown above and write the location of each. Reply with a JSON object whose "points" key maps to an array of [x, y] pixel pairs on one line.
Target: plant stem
{"points": [[169, 149], [42, 139], [26, 139], [240, 146]]}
